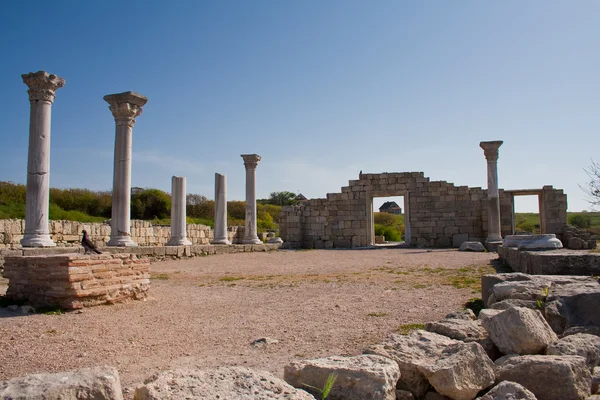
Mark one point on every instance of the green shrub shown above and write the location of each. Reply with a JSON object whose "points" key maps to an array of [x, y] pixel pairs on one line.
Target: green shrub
{"points": [[390, 233], [580, 220]]}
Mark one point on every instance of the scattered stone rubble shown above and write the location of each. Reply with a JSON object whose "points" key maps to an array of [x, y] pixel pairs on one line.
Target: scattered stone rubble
{"points": [[535, 344], [578, 239]]}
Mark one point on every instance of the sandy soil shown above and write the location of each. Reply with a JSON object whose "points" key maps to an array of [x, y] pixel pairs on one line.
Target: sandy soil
{"points": [[205, 312]]}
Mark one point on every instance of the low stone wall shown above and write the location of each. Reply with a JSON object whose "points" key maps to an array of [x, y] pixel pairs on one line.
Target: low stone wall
{"points": [[68, 233], [72, 281], [551, 262]]}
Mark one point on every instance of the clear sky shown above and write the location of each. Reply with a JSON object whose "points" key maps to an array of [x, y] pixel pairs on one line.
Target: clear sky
{"points": [[319, 89]]}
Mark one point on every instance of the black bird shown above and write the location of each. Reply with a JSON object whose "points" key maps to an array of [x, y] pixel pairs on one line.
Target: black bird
{"points": [[87, 244]]}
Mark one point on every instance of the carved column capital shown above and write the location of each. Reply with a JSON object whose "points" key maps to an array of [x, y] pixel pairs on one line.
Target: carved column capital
{"points": [[125, 107], [490, 149], [42, 85], [251, 160]]}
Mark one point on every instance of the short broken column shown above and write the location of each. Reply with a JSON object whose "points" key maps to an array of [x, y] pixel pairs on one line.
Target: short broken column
{"points": [[251, 162], [42, 88], [490, 150], [220, 231], [125, 107], [178, 213]]}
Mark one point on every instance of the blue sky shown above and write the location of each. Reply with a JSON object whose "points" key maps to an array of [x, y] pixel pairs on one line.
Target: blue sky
{"points": [[320, 89]]}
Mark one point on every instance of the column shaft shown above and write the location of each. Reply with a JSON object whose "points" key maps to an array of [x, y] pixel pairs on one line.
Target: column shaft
{"points": [[125, 107], [251, 162], [178, 213], [220, 231], [42, 87], [494, 235]]}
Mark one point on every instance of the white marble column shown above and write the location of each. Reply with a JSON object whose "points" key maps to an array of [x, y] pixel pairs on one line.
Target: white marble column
{"points": [[220, 210], [178, 214], [125, 107], [251, 162], [42, 88], [490, 150]]}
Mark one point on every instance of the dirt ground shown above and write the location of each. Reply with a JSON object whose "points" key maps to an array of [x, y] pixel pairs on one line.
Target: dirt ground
{"points": [[205, 312]]}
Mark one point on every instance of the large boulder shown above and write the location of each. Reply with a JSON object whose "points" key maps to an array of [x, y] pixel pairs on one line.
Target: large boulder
{"points": [[506, 390], [519, 331], [581, 344], [98, 383], [410, 351], [489, 281], [596, 380], [548, 377], [466, 314], [222, 383], [533, 290], [472, 246], [358, 378], [573, 304], [509, 303], [461, 372]]}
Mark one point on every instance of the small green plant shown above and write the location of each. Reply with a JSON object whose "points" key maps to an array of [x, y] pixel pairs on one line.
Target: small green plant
{"points": [[326, 387], [162, 277], [378, 314], [230, 278], [50, 311], [540, 302], [407, 328]]}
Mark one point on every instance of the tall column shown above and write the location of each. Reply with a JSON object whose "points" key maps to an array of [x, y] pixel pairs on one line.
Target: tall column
{"points": [[178, 214], [490, 150], [42, 88], [251, 162], [220, 210], [125, 107]]}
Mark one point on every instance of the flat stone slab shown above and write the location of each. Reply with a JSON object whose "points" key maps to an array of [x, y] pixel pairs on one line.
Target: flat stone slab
{"points": [[532, 242], [472, 246], [554, 262]]}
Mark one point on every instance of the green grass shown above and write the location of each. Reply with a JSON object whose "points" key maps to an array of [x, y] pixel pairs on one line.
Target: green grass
{"points": [[407, 328], [378, 314], [530, 222], [161, 277], [230, 278]]}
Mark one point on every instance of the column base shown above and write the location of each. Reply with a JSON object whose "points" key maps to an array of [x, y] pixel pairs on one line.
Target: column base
{"points": [[220, 241], [492, 245], [121, 241], [37, 240], [178, 242], [254, 240]]}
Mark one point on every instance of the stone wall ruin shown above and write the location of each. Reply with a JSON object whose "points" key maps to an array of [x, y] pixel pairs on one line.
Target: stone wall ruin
{"points": [[437, 213]]}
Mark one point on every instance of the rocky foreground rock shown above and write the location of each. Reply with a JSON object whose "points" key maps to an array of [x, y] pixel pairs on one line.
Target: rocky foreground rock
{"points": [[543, 334]]}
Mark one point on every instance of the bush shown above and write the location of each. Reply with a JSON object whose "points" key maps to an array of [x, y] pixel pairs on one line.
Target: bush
{"points": [[150, 204], [580, 221], [390, 233], [236, 209]]}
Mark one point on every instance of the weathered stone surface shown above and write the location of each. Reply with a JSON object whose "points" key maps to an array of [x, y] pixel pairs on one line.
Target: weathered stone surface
{"points": [[507, 390], [467, 314], [581, 344], [404, 395], [461, 372], [471, 246], [435, 396], [532, 242], [488, 313], [591, 330], [519, 331], [489, 281], [409, 351], [548, 377], [554, 262], [573, 304], [510, 303], [222, 383], [533, 290], [99, 383], [596, 380], [458, 329], [358, 378]]}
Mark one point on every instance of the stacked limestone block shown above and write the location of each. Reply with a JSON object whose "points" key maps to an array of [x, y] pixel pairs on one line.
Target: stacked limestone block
{"points": [[72, 281], [440, 213]]}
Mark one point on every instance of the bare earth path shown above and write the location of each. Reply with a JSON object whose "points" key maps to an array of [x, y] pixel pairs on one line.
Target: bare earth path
{"points": [[205, 312]]}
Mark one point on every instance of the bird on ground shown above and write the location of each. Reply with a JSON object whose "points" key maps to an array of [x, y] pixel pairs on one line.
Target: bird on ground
{"points": [[87, 244]]}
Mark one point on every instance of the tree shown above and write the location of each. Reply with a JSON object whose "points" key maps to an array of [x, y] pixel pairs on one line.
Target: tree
{"points": [[592, 187], [149, 204], [282, 198]]}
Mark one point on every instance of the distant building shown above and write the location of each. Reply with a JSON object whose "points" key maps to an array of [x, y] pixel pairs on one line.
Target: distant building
{"points": [[390, 207], [301, 198]]}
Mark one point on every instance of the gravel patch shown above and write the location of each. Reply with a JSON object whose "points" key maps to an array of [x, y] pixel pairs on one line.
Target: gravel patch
{"points": [[206, 312]]}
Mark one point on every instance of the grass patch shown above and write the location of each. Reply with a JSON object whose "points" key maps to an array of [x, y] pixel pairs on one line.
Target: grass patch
{"points": [[50, 310], [230, 278], [407, 328], [463, 282], [378, 314], [420, 285], [162, 277]]}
